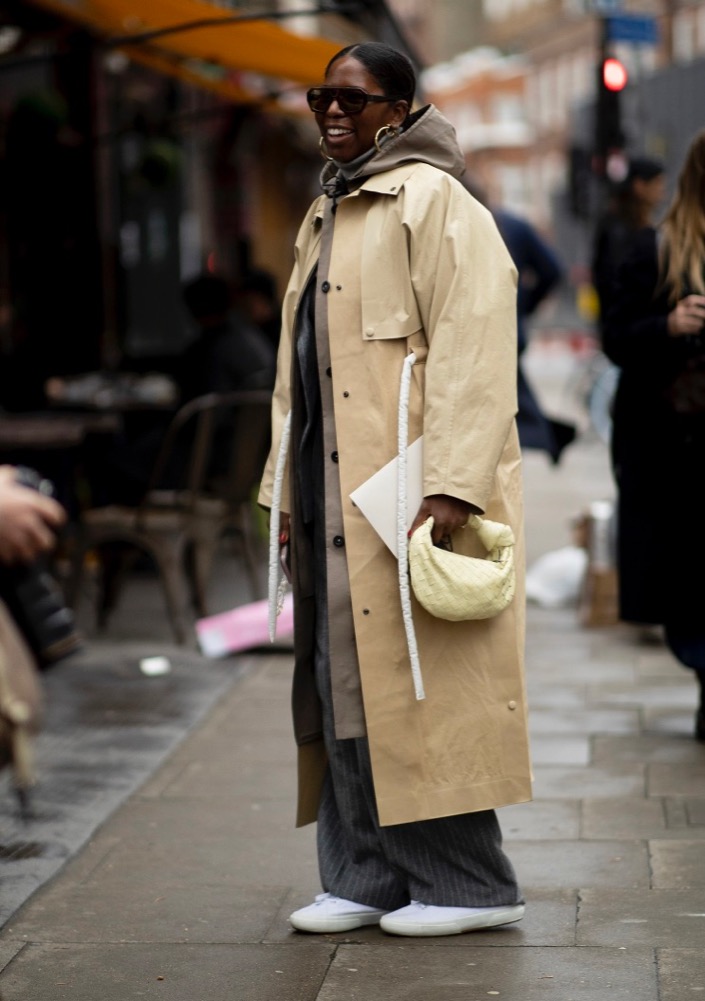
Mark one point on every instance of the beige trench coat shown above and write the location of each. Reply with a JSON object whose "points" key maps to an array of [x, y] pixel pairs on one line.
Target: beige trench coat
{"points": [[440, 284]]}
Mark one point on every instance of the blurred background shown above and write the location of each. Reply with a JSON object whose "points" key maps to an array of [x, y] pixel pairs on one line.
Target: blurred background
{"points": [[142, 143]]}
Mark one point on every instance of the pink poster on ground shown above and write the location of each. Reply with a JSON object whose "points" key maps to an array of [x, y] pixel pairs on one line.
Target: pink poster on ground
{"points": [[243, 628]]}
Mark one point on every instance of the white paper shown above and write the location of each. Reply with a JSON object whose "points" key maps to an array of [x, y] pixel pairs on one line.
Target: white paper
{"points": [[377, 497]]}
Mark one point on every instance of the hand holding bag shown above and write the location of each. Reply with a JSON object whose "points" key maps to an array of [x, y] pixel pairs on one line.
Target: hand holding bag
{"points": [[456, 587]]}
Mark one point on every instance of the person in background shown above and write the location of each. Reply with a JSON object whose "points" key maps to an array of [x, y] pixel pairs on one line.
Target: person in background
{"points": [[399, 273], [654, 332], [258, 299], [540, 273], [229, 351], [631, 208]]}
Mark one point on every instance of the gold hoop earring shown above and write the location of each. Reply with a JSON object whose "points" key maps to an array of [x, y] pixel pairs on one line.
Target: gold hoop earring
{"points": [[388, 131], [322, 150]]}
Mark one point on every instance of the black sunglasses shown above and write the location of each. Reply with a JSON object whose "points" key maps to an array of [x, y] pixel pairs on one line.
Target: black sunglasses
{"points": [[351, 100]]}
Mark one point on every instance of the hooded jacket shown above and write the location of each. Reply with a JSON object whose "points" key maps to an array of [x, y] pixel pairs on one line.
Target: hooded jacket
{"points": [[408, 262]]}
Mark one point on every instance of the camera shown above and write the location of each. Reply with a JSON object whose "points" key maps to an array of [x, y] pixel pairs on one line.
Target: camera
{"points": [[35, 599]]}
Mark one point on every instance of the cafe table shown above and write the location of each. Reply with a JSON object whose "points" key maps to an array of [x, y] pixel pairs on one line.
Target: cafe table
{"points": [[47, 431]]}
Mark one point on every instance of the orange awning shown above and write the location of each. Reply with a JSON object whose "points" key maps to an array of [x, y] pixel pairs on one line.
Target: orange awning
{"points": [[259, 47]]}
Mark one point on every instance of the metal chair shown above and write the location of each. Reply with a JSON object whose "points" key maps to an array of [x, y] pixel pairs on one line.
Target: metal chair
{"points": [[201, 486]]}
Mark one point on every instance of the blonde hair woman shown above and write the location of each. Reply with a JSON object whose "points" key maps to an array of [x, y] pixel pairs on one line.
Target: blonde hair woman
{"points": [[655, 333]]}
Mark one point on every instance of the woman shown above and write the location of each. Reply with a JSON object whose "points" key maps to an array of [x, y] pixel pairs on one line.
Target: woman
{"points": [[654, 333], [397, 258], [632, 209]]}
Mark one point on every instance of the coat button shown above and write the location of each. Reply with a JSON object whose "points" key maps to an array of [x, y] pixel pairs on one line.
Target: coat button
{"points": [[511, 705], [329, 372], [334, 456], [338, 541], [365, 611], [369, 332], [346, 394], [325, 287]]}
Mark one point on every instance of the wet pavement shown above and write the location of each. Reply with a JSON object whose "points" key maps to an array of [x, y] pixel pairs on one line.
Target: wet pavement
{"points": [[107, 727], [175, 862]]}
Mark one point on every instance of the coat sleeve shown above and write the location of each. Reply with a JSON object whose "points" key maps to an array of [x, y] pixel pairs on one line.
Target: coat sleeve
{"points": [[465, 284], [281, 400]]}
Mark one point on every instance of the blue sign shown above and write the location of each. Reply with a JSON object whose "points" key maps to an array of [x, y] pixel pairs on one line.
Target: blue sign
{"points": [[632, 28]]}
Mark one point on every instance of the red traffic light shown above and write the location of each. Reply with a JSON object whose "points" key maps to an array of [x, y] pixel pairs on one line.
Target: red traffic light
{"points": [[614, 74]]}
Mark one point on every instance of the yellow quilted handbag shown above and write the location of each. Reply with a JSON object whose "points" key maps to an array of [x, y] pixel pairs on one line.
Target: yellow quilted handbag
{"points": [[456, 587]]}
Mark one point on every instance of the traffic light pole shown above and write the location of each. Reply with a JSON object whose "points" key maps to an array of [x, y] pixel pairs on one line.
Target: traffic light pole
{"points": [[609, 135]]}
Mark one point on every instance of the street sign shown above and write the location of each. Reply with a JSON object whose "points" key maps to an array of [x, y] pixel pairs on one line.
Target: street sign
{"points": [[635, 28]]}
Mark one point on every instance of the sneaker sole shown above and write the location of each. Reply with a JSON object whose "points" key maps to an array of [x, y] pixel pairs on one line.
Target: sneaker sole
{"points": [[319, 926], [474, 923]]}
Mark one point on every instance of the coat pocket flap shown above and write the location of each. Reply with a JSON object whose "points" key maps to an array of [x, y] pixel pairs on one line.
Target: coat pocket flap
{"points": [[400, 324]]}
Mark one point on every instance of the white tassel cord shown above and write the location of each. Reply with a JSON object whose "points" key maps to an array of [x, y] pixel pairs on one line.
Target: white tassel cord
{"points": [[277, 582], [402, 530]]}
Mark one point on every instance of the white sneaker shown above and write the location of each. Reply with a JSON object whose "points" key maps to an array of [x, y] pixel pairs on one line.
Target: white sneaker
{"points": [[330, 914], [426, 919]]}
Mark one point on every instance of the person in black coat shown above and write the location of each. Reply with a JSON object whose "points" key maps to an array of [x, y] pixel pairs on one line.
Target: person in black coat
{"points": [[229, 351], [540, 273], [631, 209], [655, 333]]}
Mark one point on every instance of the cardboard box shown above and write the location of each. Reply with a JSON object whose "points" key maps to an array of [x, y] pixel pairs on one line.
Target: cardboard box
{"points": [[599, 603]]}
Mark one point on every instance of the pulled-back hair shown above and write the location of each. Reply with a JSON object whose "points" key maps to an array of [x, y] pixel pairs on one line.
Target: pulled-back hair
{"points": [[682, 249], [391, 69]]}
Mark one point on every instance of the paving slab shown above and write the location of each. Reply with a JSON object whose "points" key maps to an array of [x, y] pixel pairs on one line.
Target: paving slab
{"points": [[645, 917], [107, 728], [574, 721], [629, 818], [155, 911], [667, 748], [680, 974], [168, 972], [695, 810], [8, 951], [562, 864], [675, 722], [550, 696], [684, 779], [662, 695], [616, 779], [419, 972], [551, 749], [676, 864], [542, 819]]}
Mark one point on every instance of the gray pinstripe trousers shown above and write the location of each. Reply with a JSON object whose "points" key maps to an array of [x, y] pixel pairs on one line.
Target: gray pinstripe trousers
{"points": [[450, 861]]}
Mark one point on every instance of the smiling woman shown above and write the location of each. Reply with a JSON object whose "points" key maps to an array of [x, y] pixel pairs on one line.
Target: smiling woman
{"points": [[352, 108], [397, 265]]}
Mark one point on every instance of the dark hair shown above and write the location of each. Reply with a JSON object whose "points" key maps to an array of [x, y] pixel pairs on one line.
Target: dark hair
{"points": [[644, 168], [259, 280], [391, 69], [207, 295]]}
